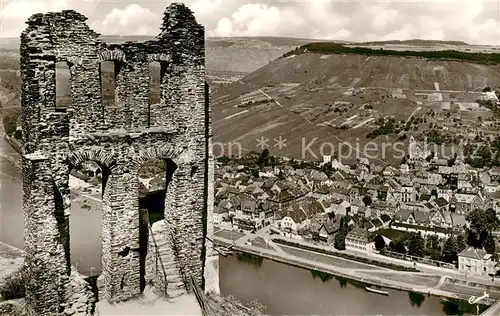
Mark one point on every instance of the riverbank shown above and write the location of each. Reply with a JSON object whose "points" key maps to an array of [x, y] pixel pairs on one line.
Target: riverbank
{"points": [[11, 259], [14, 143], [417, 282]]}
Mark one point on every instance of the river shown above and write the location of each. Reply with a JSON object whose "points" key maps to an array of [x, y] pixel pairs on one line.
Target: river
{"points": [[283, 289]]}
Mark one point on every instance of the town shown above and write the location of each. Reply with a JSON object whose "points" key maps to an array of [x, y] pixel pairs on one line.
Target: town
{"points": [[431, 212]]}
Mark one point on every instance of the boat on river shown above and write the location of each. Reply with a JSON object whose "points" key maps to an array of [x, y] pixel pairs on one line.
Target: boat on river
{"points": [[369, 289]]}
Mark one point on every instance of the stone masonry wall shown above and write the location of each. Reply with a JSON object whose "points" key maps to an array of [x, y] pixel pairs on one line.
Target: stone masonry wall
{"points": [[212, 257], [46, 269], [120, 139]]}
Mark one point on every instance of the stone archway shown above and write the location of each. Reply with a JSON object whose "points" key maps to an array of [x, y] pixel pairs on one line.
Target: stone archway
{"points": [[115, 138], [105, 160], [159, 267]]}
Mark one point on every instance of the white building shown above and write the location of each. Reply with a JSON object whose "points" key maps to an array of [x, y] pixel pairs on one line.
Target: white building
{"points": [[476, 262], [327, 159], [490, 95], [358, 239]]}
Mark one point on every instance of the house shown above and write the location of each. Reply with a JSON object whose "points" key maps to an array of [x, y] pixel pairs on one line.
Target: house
{"points": [[393, 192], [377, 224], [459, 223], [425, 222], [441, 203], [329, 228], [279, 186], [494, 174], [281, 199], [291, 219], [337, 165], [269, 210], [404, 168], [386, 220], [389, 171], [462, 203], [319, 177], [408, 192], [464, 186], [379, 207], [248, 215], [356, 204], [340, 207], [476, 262], [440, 219], [358, 239], [220, 215]]}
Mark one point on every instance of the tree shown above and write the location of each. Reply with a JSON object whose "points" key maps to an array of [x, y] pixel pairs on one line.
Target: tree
{"points": [[450, 250], [486, 89], [367, 200], [264, 158], [416, 245], [13, 286], [432, 242], [430, 157], [339, 240], [392, 245], [433, 247], [18, 134], [482, 223], [10, 122], [399, 247], [461, 243], [379, 242], [489, 244]]}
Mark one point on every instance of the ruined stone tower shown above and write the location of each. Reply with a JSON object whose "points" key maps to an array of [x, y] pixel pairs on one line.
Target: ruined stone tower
{"points": [[119, 139]]}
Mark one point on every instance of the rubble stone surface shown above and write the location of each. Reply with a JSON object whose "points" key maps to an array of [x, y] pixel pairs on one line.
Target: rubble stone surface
{"points": [[119, 139]]}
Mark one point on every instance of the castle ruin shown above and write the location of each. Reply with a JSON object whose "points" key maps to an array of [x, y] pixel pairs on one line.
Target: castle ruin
{"points": [[119, 138]]}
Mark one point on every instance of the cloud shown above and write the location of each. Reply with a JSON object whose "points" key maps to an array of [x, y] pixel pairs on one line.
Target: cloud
{"points": [[133, 19], [473, 21], [14, 13]]}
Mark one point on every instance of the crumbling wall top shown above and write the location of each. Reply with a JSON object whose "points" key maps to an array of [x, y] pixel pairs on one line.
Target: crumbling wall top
{"points": [[176, 16], [180, 28], [65, 15]]}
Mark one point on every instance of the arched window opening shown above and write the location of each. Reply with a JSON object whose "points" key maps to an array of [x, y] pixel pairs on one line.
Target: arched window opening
{"points": [[63, 87], [154, 82], [154, 177], [108, 69], [163, 81], [86, 185]]}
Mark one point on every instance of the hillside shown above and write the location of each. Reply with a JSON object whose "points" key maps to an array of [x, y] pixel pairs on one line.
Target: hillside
{"points": [[231, 54], [479, 57], [350, 70], [341, 96], [416, 42], [317, 97]]}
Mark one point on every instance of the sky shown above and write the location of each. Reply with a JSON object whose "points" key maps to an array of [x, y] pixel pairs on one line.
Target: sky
{"points": [[472, 21]]}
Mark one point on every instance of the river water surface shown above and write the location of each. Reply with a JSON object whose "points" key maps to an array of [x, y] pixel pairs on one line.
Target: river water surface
{"points": [[283, 289]]}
